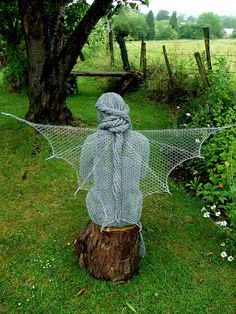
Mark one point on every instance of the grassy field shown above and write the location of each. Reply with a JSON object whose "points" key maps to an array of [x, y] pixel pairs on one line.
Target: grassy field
{"points": [[180, 54], [40, 218]]}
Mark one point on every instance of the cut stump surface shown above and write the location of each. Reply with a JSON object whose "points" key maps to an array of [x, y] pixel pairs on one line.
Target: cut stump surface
{"points": [[111, 254]]}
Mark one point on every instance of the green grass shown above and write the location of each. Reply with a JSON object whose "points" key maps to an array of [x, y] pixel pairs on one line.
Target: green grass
{"points": [[180, 53], [40, 218]]}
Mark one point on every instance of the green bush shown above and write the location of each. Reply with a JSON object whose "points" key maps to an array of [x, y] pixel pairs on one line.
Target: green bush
{"points": [[216, 174], [190, 31], [15, 71]]}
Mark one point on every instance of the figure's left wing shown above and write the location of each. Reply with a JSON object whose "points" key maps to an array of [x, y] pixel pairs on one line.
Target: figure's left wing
{"points": [[168, 149], [66, 143]]}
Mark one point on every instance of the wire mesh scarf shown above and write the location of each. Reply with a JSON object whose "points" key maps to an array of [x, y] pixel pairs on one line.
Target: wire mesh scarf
{"points": [[113, 115]]}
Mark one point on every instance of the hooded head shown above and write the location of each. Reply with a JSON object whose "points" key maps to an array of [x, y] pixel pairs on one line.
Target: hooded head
{"points": [[113, 113]]}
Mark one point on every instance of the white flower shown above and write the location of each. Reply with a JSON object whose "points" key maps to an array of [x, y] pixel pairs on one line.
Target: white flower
{"points": [[185, 125], [230, 258], [222, 244], [218, 214], [203, 209], [206, 215], [223, 254], [19, 303], [188, 114], [156, 294], [33, 287], [223, 223], [213, 207], [208, 126], [197, 141], [178, 107], [68, 243]]}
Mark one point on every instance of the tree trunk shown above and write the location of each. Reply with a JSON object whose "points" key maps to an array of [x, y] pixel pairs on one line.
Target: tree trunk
{"points": [[123, 50], [111, 254], [50, 64]]}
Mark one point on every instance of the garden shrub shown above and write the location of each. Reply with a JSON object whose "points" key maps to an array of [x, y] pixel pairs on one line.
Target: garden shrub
{"points": [[214, 178], [15, 70]]}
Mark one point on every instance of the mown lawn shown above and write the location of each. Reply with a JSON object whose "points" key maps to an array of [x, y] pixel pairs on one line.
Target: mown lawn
{"points": [[40, 218]]}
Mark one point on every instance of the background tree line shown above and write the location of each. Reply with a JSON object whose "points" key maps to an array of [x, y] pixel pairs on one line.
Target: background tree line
{"points": [[168, 25]]}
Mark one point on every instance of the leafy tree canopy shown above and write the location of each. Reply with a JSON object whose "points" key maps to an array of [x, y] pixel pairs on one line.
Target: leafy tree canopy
{"points": [[130, 22], [174, 21], [190, 31], [162, 15], [213, 21], [165, 31], [229, 21], [151, 25]]}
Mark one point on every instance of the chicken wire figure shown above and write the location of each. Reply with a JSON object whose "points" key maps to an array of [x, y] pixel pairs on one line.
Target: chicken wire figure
{"points": [[120, 166], [115, 198]]}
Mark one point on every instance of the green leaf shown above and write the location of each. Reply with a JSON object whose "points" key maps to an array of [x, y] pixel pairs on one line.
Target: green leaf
{"points": [[131, 307]]}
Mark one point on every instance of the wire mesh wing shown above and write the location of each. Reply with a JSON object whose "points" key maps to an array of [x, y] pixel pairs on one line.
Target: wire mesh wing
{"points": [[66, 143], [168, 149]]}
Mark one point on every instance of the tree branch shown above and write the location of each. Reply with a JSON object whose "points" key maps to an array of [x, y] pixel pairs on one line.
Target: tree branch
{"points": [[75, 43]]}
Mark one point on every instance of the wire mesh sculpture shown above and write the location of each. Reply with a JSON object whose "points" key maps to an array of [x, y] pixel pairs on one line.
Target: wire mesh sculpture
{"points": [[117, 165]]}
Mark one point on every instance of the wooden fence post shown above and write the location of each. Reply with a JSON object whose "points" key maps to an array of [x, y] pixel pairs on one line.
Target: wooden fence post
{"points": [[170, 73], [207, 47], [202, 70], [144, 60], [111, 48], [141, 52]]}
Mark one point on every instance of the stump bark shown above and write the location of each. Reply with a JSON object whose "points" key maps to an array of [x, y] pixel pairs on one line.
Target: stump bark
{"points": [[111, 254]]}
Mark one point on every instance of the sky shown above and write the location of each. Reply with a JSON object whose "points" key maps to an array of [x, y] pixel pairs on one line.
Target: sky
{"points": [[190, 7]]}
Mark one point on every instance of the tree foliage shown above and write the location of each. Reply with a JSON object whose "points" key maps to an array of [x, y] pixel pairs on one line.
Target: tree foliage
{"points": [[162, 15], [130, 22], [151, 25], [74, 12], [165, 31], [174, 21], [213, 21], [229, 21], [190, 31], [13, 47]]}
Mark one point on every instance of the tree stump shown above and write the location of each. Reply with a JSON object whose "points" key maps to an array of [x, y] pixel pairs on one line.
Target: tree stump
{"points": [[111, 254]]}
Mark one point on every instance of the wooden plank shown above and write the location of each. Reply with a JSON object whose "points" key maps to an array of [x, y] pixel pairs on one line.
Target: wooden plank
{"points": [[102, 74]]}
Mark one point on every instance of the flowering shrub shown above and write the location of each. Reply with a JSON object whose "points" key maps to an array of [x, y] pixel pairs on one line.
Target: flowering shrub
{"points": [[214, 178]]}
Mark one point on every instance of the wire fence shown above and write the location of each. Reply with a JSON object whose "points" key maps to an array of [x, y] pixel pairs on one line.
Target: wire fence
{"points": [[198, 45]]}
